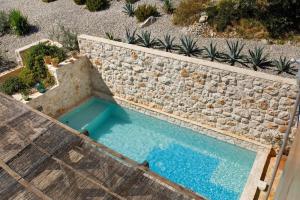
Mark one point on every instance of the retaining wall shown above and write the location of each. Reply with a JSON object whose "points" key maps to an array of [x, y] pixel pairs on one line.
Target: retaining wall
{"points": [[240, 101]]}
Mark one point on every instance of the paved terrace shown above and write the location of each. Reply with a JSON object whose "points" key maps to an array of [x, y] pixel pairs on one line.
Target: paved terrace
{"points": [[42, 159]]}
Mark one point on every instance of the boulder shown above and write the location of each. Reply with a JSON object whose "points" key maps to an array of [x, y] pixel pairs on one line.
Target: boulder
{"points": [[203, 17]]}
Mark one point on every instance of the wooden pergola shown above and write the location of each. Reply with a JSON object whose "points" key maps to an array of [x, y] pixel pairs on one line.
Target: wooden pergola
{"points": [[42, 159]]}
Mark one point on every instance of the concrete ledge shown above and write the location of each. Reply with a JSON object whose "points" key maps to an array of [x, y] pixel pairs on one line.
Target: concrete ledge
{"points": [[198, 61]]}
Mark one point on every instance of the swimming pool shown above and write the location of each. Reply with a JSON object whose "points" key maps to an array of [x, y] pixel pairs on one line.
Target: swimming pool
{"points": [[212, 168]]}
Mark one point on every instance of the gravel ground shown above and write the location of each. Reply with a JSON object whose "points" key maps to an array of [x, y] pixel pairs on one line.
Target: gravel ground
{"points": [[45, 15]]}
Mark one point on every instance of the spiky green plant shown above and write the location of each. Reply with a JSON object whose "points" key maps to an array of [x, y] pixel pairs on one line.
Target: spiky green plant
{"points": [[283, 65], [211, 52], [257, 58], [129, 9], [145, 40], [130, 36], [110, 36], [235, 53], [168, 6], [167, 43], [189, 46]]}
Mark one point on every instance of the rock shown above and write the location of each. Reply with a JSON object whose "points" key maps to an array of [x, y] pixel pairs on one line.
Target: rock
{"points": [[184, 73], [271, 125], [203, 19], [148, 22], [282, 129], [263, 104], [264, 41]]}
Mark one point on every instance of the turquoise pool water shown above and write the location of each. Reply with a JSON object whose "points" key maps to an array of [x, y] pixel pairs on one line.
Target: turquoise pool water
{"points": [[212, 168]]}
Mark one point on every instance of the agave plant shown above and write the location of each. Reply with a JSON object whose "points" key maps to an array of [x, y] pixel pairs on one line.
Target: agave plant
{"points": [[211, 52], [167, 43], [110, 36], [130, 36], [129, 9], [188, 46], [145, 40], [283, 65], [168, 6], [234, 54], [257, 59]]}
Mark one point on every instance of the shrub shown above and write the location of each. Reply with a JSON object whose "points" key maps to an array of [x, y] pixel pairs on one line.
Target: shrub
{"points": [[49, 80], [277, 26], [64, 36], [251, 28], [227, 12], [27, 77], [168, 6], [188, 12], [247, 8], [144, 11], [43, 49], [282, 16], [129, 9], [12, 85], [96, 5], [18, 23], [4, 24], [80, 2], [34, 59]]}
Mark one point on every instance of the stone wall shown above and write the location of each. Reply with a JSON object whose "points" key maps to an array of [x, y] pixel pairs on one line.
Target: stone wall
{"points": [[73, 86], [240, 101]]}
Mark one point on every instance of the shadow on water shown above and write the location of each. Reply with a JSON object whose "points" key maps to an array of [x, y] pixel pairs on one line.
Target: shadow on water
{"points": [[97, 115]]}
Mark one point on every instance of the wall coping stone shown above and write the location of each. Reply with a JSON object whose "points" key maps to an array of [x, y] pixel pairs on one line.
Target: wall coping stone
{"points": [[198, 61]]}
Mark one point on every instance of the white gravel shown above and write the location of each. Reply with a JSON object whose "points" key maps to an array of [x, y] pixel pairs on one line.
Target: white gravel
{"points": [[66, 12]]}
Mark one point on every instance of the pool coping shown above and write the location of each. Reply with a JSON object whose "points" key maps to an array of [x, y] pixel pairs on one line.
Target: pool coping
{"points": [[262, 150]]}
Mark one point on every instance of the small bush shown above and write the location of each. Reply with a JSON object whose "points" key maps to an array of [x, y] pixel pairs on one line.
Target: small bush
{"points": [[227, 13], [277, 26], [80, 2], [34, 59], [144, 11], [65, 36], [27, 77], [4, 24], [188, 12], [96, 5], [281, 17], [43, 50], [251, 28], [247, 8], [18, 23], [12, 85]]}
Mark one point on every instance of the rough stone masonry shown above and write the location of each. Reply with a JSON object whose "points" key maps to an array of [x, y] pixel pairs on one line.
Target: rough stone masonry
{"points": [[240, 101]]}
